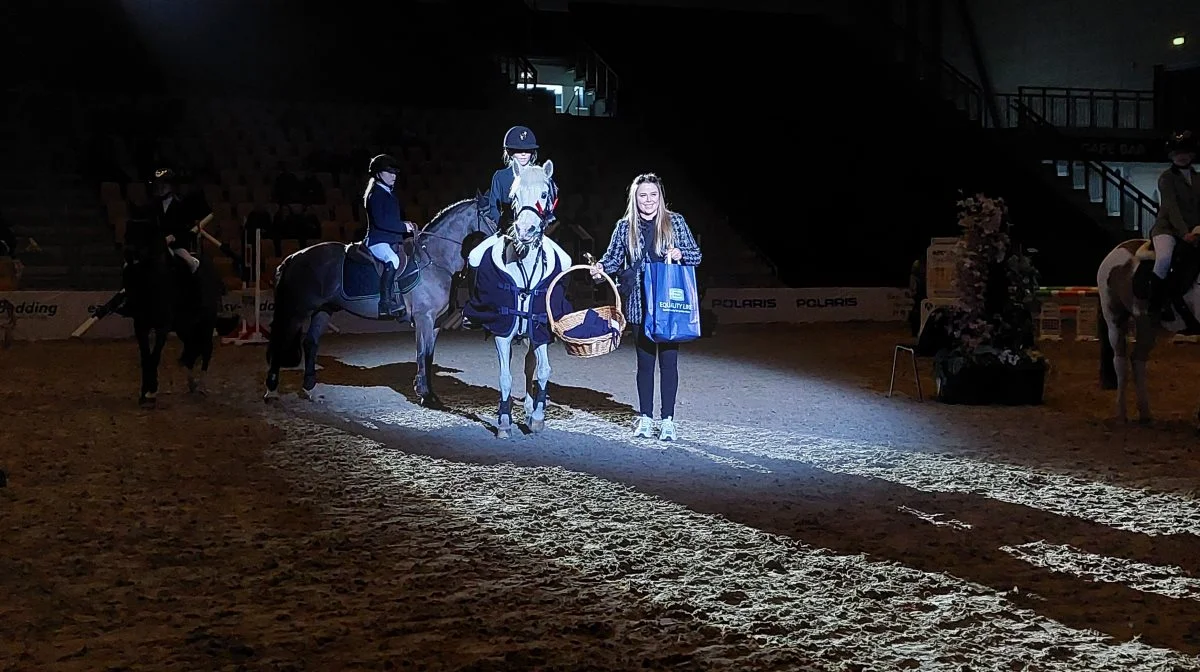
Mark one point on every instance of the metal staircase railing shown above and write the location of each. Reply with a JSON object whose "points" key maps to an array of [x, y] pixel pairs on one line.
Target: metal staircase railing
{"points": [[518, 69], [1106, 109], [1102, 182], [598, 78]]}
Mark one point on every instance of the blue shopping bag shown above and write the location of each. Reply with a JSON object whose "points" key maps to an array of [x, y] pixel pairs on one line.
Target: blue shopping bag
{"points": [[672, 304]]}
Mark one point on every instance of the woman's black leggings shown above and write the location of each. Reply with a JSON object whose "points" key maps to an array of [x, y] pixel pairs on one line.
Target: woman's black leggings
{"points": [[667, 355]]}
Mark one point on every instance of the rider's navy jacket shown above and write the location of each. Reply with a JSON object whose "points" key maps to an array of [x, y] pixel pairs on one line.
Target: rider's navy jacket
{"points": [[385, 216], [497, 298], [502, 182]]}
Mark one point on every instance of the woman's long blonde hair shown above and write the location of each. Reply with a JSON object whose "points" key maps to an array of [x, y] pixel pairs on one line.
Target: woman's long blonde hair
{"points": [[664, 233]]}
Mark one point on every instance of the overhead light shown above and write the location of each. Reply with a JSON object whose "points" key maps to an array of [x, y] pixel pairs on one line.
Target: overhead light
{"points": [[1178, 41]]}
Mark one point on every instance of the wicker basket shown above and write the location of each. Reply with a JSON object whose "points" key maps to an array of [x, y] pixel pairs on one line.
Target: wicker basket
{"points": [[596, 345]]}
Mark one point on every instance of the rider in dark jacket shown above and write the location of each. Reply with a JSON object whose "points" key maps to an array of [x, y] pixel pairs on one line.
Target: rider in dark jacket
{"points": [[386, 225], [1178, 214], [164, 216], [520, 145]]}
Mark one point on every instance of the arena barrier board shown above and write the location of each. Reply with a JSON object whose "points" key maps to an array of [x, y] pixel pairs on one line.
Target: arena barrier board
{"points": [[808, 304], [54, 315]]}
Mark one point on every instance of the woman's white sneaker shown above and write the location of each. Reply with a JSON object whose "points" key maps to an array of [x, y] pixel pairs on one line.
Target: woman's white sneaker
{"points": [[644, 428], [667, 431]]}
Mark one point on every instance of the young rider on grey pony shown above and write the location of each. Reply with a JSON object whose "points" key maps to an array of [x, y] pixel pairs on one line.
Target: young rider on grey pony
{"points": [[385, 225], [520, 145]]}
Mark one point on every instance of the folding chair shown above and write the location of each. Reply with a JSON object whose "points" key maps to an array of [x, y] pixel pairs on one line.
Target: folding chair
{"points": [[911, 349]]}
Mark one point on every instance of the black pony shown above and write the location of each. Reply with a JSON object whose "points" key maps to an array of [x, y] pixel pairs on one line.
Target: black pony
{"points": [[162, 295], [314, 283]]}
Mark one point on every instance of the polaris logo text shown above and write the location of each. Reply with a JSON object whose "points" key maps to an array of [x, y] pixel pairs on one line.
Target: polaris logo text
{"points": [[35, 309], [743, 303], [849, 302]]}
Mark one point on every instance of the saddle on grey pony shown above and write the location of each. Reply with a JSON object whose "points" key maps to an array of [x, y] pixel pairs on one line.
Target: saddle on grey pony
{"points": [[365, 278]]}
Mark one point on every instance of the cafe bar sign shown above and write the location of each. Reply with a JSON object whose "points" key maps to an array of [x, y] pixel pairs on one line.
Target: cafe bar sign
{"points": [[1136, 151]]}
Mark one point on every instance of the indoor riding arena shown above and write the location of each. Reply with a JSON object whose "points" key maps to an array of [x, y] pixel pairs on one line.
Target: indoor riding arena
{"points": [[803, 520], [898, 443]]}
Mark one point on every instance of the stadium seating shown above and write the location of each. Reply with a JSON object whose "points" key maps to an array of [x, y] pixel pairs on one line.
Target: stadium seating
{"points": [[262, 159]]}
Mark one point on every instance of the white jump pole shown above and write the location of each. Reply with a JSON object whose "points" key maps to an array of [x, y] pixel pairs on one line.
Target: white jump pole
{"points": [[252, 335]]}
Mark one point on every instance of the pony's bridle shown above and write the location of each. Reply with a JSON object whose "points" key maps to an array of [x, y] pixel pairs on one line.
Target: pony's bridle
{"points": [[543, 215]]}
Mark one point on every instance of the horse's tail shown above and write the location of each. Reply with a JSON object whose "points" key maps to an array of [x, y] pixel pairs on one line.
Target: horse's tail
{"points": [[283, 344]]}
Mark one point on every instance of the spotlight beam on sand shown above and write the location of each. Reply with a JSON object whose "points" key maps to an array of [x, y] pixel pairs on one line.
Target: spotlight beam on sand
{"points": [[1162, 580], [1123, 508], [778, 593]]}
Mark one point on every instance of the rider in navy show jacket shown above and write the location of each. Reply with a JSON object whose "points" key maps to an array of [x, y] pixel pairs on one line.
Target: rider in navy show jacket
{"points": [[519, 140], [386, 226]]}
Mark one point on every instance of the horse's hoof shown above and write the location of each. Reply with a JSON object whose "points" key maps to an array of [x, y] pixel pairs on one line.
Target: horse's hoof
{"points": [[307, 394], [1145, 420], [270, 396], [503, 434], [147, 402], [536, 426], [431, 401]]}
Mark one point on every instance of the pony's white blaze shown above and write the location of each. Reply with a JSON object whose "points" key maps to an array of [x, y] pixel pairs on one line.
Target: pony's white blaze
{"points": [[529, 197]]}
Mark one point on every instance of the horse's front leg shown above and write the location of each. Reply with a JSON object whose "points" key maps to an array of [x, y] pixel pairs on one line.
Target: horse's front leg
{"points": [[426, 340], [1142, 345], [198, 346], [537, 391], [312, 343], [145, 397], [504, 415], [150, 343], [1120, 345]]}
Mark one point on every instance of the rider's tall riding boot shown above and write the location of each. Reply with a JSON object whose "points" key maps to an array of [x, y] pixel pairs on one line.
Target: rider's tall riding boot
{"points": [[1158, 295], [387, 283]]}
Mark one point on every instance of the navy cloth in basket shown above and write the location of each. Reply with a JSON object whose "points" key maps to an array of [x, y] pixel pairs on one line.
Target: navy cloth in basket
{"points": [[592, 326]]}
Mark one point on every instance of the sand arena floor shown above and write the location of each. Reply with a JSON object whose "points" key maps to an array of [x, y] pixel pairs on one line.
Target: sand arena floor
{"points": [[804, 521]]}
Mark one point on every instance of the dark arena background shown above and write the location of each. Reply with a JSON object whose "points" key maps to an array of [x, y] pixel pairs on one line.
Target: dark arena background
{"points": [[824, 506]]}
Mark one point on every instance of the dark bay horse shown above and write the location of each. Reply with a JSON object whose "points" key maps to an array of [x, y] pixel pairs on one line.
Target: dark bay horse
{"points": [[162, 295], [314, 283]]}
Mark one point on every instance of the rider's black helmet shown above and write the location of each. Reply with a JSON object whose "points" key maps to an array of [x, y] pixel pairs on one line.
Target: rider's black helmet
{"points": [[520, 139], [1183, 141], [165, 175], [383, 162]]}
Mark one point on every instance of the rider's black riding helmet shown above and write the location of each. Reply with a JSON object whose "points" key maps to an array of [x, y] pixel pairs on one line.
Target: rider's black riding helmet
{"points": [[383, 162], [520, 139], [1183, 141], [165, 176]]}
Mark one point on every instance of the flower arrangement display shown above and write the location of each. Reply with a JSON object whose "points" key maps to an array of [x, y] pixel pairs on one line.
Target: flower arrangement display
{"points": [[990, 356]]}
